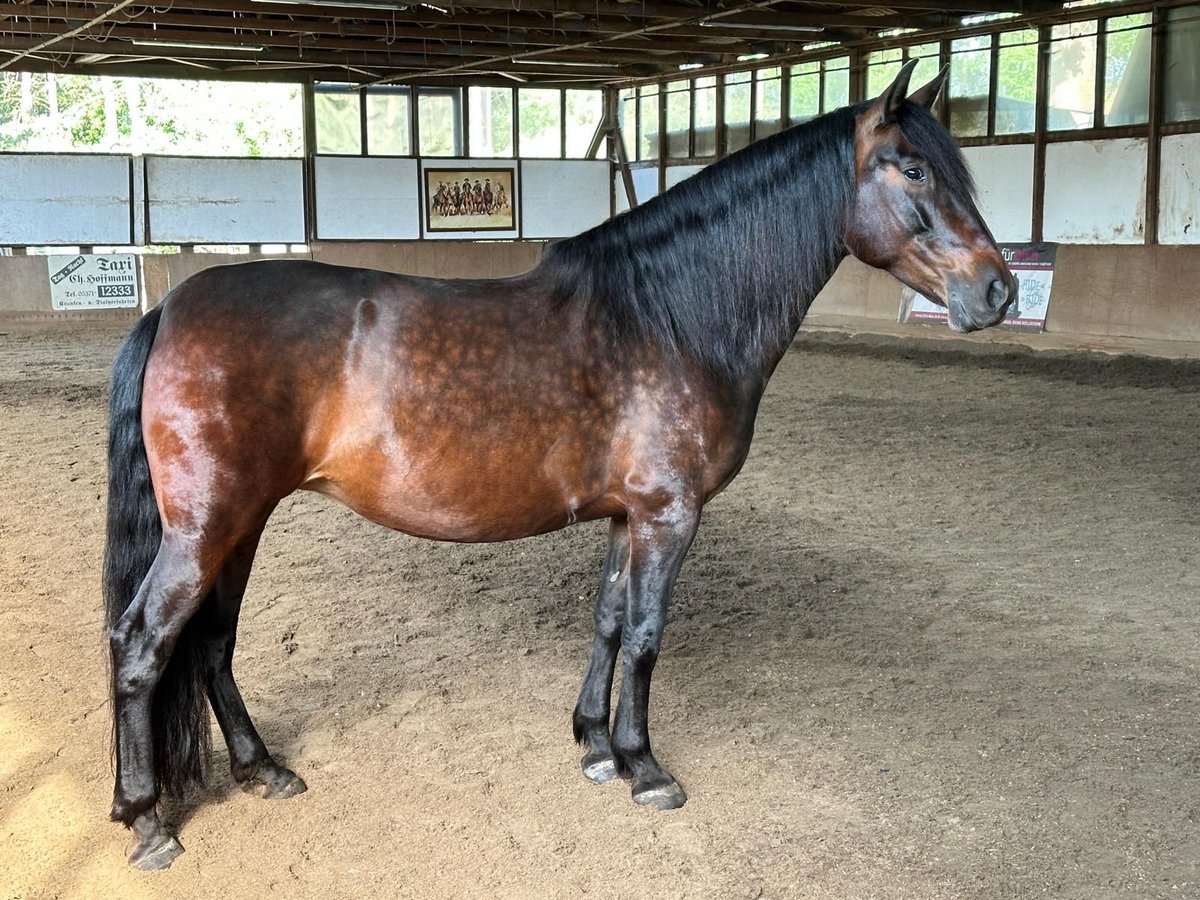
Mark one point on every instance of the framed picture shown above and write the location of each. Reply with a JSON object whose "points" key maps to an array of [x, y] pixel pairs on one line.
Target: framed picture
{"points": [[470, 199]]}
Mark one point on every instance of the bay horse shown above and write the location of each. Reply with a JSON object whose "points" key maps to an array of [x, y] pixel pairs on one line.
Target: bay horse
{"points": [[618, 379]]}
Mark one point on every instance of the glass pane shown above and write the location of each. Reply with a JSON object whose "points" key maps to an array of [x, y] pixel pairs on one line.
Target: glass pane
{"points": [[737, 111], [1016, 82], [837, 83], [540, 117], [627, 114], [388, 132], [1127, 70], [970, 77], [768, 102], [1181, 77], [882, 69], [491, 117], [339, 126], [440, 125], [928, 67], [804, 97], [1072, 76], [585, 109], [648, 123], [679, 119], [55, 112], [706, 117]]}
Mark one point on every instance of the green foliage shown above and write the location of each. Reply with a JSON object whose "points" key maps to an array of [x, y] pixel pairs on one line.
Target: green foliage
{"points": [[540, 117], [58, 113]]}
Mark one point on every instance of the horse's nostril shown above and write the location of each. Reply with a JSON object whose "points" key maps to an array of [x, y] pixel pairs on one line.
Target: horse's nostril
{"points": [[998, 295]]}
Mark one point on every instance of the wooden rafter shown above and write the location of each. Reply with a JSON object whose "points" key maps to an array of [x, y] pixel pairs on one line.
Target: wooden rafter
{"points": [[551, 41]]}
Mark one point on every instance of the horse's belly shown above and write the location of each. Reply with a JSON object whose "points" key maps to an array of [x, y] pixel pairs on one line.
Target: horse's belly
{"points": [[479, 506]]}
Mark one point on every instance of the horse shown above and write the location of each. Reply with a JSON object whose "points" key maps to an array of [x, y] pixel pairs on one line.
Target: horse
{"points": [[618, 379]]}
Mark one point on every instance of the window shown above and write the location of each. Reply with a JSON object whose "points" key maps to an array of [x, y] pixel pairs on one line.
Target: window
{"points": [[928, 67], [704, 116], [970, 82], [1016, 82], [882, 68], [389, 132], [339, 119], [1072, 76], [804, 92], [1127, 70], [679, 119], [490, 112], [648, 131], [55, 113], [1181, 76], [627, 114], [540, 118], [835, 83], [585, 110], [768, 108], [737, 111], [440, 124]]}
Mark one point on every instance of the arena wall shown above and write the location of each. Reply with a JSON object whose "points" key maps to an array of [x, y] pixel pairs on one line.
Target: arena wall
{"points": [[1142, 299]]}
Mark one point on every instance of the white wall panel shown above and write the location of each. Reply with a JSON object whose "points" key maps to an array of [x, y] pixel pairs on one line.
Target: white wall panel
{"points": [[560, 198], [676, 174], [225, 201], [1096, 191], [1004, 176], [1179, 190], [58, 199], [367, 198], [645, 183]]}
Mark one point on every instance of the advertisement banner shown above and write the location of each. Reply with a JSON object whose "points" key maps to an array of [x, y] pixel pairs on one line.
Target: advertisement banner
{"points": [[1033, 267], [93, 281]]}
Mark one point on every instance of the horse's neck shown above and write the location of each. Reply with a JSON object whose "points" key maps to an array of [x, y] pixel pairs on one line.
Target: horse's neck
{"points": [[772, 356]]}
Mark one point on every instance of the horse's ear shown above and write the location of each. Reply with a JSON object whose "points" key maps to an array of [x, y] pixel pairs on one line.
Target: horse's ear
{"points": [[927, 95], [883, 110]]}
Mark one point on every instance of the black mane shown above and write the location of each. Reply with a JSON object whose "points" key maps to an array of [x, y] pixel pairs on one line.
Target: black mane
{"points": [[721, 268]]}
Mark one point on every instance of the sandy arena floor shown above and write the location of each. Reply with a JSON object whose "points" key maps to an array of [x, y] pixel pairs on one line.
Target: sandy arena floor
{"points": [[940, 639]]}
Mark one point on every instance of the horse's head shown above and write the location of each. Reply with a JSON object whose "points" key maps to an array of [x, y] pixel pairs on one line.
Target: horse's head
{"points": [[914, 213]]}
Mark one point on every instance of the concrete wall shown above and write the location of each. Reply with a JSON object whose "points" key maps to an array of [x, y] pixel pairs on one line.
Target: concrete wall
{"points": [[25, 289], [1122, 295], [25, 294], [1112, 297]]}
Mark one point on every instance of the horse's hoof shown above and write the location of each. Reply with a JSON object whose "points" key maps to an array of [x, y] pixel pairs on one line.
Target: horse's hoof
{"points": [[663, 797], [274, 782], [152, 855], [599, 768]]}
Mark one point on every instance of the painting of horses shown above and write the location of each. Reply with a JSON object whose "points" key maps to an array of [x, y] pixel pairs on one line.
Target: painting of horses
{"points": [[470, 199]]}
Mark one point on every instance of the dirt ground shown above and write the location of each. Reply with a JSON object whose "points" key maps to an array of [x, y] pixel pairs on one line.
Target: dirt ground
{"points": [[940, 639]]}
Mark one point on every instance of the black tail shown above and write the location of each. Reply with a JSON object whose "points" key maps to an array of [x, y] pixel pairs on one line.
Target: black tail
{"points": [[180, 713]]}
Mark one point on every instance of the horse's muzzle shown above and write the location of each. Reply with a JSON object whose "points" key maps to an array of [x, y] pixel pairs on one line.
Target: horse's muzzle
{"points": [[982, 304]]}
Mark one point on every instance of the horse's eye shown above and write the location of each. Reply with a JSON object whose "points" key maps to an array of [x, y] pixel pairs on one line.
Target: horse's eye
{"points": [[914, 174]]}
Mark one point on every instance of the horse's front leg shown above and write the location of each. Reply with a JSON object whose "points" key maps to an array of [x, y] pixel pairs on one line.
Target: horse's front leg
{"points": [[658, 543], [591, 719]]}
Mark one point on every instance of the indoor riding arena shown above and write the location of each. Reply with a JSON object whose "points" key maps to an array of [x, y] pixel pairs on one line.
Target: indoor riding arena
{"points": [[939, 638]]}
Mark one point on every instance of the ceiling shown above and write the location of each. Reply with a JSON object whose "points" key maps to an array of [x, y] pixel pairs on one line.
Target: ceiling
{"points": [[445, 41]]}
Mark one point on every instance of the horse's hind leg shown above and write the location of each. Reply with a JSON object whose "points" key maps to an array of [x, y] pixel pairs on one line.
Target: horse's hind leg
{"points": [[142, 643], [591, 719], [251, 764]]}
